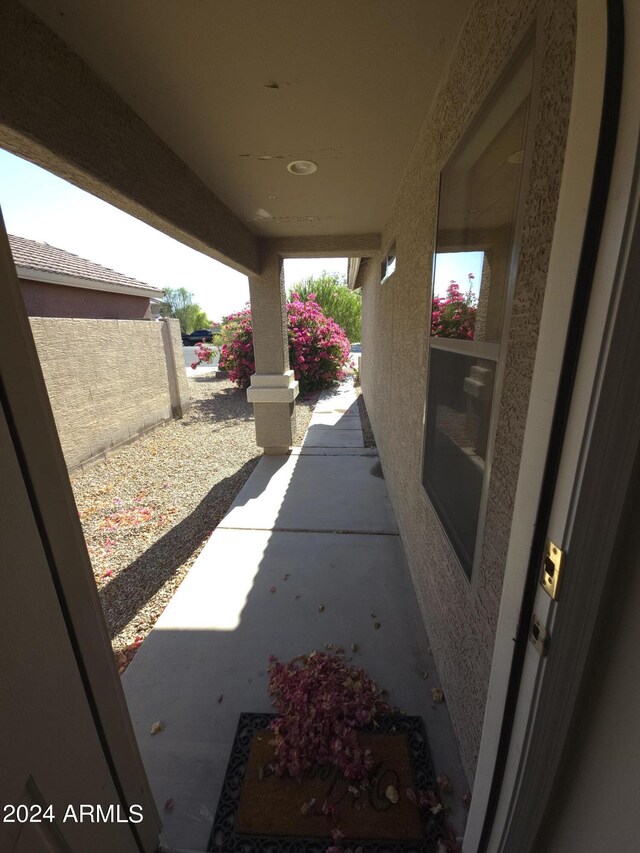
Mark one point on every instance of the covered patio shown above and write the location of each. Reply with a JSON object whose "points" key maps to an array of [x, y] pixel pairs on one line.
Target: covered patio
{"points": [[243, 138], [308, 556], [248, 141], [257, 132]]}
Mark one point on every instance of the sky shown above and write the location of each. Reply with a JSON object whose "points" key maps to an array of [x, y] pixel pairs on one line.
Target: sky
{"points": [[456, 266], [40, 206]]}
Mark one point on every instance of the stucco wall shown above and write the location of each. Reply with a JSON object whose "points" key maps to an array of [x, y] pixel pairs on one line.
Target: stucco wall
{"points": [[43, 299], [461, 623], [109, 380]]}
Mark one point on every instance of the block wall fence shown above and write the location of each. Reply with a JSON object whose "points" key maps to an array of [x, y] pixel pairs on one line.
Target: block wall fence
{"points": [[109, 381]]}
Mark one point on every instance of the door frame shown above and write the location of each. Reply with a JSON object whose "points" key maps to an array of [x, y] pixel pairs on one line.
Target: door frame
{"points": [[513, 788], [33, 430]]}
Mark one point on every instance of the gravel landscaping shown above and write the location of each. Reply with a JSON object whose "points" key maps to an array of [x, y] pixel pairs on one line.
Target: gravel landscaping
{"points": [[148, 510], [368, 437]]}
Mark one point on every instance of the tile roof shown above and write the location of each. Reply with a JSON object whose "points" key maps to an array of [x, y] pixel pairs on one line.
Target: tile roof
{"points": [[46, 258]]}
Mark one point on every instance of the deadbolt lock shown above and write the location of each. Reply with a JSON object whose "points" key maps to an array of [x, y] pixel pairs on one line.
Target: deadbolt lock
{"points": [[552, 567]]}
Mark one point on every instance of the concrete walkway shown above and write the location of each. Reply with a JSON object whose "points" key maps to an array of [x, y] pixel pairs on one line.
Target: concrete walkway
{"points": [[308, 554]]}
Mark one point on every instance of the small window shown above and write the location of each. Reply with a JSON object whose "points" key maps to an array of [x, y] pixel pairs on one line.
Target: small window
{"points": [[473, 274], [388, 265]]}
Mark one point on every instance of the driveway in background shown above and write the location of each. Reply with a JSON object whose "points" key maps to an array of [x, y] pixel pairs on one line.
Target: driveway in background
{"points": [[190, 357]]}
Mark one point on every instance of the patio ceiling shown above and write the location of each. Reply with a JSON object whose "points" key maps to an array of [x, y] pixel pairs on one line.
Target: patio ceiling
{"points": [[239, 89]]}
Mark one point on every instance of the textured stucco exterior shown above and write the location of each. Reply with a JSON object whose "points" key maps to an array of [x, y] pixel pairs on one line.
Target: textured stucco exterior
{"points": [[109, 380], [461, 620], [43, 299]]}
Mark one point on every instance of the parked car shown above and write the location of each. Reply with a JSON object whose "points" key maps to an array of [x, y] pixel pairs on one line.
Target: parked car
{"points": [[196, 337]]}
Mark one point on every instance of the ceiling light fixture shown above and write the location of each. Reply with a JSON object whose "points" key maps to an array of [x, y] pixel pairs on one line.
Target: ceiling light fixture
{"points": [[302, 167]]}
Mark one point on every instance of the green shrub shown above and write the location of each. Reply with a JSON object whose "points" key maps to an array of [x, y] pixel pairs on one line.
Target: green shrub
{"points": [[342, 305]]}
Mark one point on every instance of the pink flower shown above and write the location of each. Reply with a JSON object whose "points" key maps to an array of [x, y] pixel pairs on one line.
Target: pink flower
{"points": [[454, 317], [313, 339], [321, 701]]}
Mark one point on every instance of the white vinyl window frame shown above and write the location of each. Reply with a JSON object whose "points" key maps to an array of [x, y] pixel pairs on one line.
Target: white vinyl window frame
{"points": [[495, 352], [388, 263]]}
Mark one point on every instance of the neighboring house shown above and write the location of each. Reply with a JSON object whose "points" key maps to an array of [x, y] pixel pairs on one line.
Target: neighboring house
{"points": [[57, 283], [156, 309], [391, 133]]}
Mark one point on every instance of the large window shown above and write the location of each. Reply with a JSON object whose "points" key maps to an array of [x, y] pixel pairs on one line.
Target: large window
{"points": [[473, 271]]}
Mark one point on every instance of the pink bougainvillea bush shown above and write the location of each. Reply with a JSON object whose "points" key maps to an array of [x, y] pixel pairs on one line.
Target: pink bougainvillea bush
{"points": [[322, 702], [455, 315], [318, 348], [236, 355]]}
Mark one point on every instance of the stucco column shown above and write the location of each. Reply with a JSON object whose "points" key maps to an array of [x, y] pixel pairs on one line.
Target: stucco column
{"points": [[273, 387]]}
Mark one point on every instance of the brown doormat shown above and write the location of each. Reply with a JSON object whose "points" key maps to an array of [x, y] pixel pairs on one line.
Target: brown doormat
{"points": [[259, 812], [274, 805]]}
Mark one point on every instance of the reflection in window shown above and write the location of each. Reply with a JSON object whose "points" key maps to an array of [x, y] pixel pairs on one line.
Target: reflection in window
{"points": [[472, 274], [477, 210], [458, 416]]}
